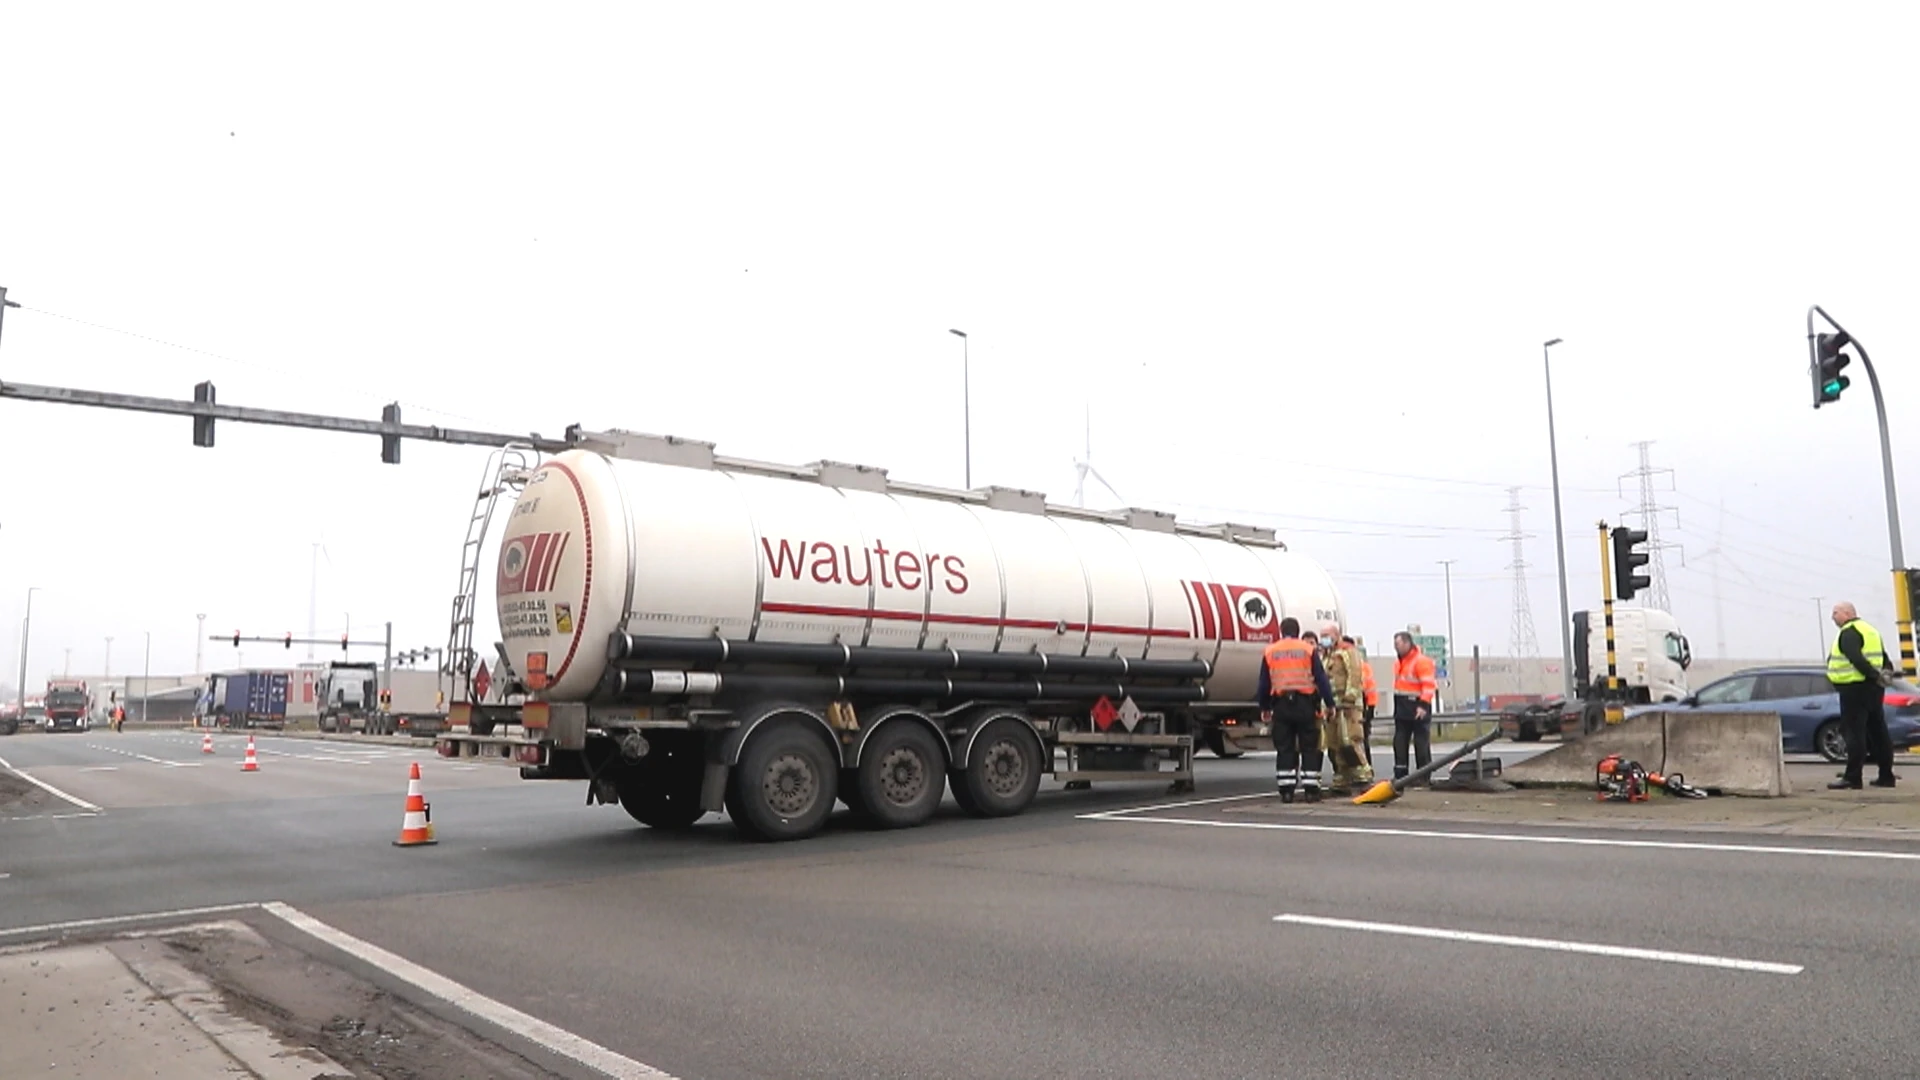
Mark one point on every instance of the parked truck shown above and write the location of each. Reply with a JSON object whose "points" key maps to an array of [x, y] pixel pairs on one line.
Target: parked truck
{"points": [[247, 699], [68, 704], [349, 696], [1651, 658], [359, 697], [687, 633]]}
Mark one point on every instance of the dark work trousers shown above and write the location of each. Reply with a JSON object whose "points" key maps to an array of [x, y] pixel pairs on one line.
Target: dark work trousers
{"points": [[1366, 741], [1863, 719], [1407, 730], [1296, 741]]}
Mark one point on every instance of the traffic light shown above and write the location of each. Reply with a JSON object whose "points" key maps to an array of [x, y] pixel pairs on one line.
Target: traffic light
{"points": [[1626, 560], [343, 643], [390, 444], [203, 425], [289, 641], [236, 639], [1828, 361]]}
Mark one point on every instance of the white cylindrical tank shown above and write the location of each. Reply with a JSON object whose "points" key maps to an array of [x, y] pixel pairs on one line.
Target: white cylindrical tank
{"points": [[597, 545]]}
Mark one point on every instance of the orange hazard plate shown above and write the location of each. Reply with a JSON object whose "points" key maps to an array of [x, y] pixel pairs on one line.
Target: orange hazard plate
{"points": [[533, 714]]}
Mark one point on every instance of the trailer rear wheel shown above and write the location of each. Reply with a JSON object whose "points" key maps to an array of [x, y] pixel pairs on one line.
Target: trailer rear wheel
{"points": [[662, 789], [785, 784], [1004, 772], [901, 777]]}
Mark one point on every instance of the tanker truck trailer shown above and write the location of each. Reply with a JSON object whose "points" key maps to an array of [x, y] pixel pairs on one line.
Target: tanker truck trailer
{"points": [[688, 633]]}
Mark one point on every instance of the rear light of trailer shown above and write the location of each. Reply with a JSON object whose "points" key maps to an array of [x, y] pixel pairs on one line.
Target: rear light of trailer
{"points": [[533, 754], [447, 748]]}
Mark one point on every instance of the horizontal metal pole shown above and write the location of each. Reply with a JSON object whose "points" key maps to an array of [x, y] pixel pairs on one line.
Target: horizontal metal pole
{"points": [[101, 399]]}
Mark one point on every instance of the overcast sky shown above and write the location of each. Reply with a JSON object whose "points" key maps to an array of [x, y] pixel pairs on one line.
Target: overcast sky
{"points": [[1297, 259]]}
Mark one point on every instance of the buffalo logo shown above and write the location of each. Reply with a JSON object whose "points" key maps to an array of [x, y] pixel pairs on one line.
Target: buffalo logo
{"points": [[1255, 612], [528, 564], [563, 618]]}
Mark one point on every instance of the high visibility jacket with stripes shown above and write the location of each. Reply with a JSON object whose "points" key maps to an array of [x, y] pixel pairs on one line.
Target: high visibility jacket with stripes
{"points": [[1369, 687], [1413, 676], [1290, 667], [1841, 670]]}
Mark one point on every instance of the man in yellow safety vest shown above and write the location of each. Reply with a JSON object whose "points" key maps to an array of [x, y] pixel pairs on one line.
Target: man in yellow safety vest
{"points": [[1857, 667]]}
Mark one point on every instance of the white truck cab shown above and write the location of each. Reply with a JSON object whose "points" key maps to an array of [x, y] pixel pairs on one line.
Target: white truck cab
{"points": [[1651, 655]]}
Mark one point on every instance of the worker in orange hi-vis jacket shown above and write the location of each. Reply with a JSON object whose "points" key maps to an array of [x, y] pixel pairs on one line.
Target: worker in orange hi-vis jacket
{"points": [[1415, 687]]}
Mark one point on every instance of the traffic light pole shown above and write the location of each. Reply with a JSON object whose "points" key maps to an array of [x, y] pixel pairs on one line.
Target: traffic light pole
{"points": [[1902, 606], [1606, 606]]}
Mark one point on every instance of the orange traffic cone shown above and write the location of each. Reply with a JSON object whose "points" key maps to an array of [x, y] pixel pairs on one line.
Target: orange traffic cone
{"points": [[251, 764], [417, 826], [206, 743]]}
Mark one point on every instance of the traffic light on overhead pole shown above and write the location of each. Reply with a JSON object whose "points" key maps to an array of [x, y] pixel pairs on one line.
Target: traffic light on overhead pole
{"points": [[1828, 361], [289, 641], [236, 639], [343, 643], [1626, 560], [203, 425]]}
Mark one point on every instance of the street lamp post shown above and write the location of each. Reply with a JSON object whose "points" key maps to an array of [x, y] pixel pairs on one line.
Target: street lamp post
{"points": [[1820, 624], [146, 679], [1559, 533], [26, 632], [199, 641], [108, 674], [966, 404]]}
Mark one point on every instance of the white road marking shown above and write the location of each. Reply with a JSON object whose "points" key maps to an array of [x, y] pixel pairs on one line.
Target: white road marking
{"points": [[52, 817], [116, 920], [142, 757], [1510, 838], [1549, 944], [101, 768], [48, 788], [557, 1040], [311, 757]]}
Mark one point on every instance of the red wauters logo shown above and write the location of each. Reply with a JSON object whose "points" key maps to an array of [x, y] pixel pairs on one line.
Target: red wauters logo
{"points": [[528, 564], [1232, 612]]}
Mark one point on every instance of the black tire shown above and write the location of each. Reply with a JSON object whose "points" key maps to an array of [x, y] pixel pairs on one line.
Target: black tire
{"points": [[902, 775], [1830, 742], [1004, 774], [9, 727], [664, 793], [785, 784], [1217, 744], [1528, 732]]}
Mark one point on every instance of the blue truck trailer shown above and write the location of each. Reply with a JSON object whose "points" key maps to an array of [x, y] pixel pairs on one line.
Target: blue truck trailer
{"points": [[247, 699]]}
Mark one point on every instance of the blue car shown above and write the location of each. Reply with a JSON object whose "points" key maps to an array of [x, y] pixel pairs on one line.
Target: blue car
{"points": [[1808, 705]]}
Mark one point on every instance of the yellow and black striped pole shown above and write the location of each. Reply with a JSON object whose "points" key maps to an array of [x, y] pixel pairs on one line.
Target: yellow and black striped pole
{"points": [[1903, 592], [1606, 605]]}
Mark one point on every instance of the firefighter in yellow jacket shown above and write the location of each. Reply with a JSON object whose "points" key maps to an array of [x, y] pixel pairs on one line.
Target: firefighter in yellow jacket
{"points": [[1344, 728]]}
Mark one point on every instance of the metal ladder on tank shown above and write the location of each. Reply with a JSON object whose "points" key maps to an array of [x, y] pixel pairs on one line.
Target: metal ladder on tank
{"points": [[507, 470]]}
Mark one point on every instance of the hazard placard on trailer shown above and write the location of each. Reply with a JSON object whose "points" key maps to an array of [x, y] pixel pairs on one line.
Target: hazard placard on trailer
{"points": [[1104, 714], [1129, 714], [482, 679]]}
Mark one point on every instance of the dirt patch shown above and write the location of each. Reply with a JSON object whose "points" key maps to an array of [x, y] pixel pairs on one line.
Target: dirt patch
{"points": [[19, 797], [357, 1024]]}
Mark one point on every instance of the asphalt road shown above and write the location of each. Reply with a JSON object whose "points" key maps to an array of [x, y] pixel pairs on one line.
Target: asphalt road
{"points": [[1051, 943]]}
